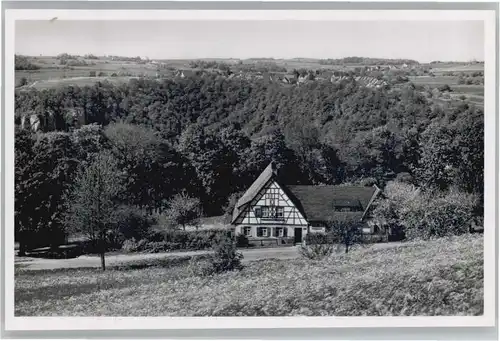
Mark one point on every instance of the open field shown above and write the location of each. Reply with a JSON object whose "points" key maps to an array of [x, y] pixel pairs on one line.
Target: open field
{"points": [[456, 67], [76, 81], [440, 277], [51, 70], [473, 93], [469, 89], [433, 81]]}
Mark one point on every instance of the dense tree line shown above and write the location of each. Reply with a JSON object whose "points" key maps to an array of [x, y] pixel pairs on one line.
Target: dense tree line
{"points": [[367, 61], [253, 66], [211, 136], [23, 63]]}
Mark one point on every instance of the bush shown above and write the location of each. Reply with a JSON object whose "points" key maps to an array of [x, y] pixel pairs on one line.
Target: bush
{"points": [[444, 88], [316, 251], [129, 245], [317, 238], [195, 240], [445, 215], [154, 242], [156, 247], [225, 257], [21, 82], [242, 240], [75, 63], [23, 63], [134, 223], [426, 215]]}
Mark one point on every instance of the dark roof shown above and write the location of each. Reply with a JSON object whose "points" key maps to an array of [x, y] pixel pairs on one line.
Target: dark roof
{"points": [[347, 202], [317, 202]]}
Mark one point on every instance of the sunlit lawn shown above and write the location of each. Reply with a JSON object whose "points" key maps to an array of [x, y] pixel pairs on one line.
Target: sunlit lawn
{"points": [[442, 277]]}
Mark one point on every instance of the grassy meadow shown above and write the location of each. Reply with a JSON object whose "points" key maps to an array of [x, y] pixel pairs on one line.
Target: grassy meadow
{"points": [[440, 277], [76, 81], [52, 74]]}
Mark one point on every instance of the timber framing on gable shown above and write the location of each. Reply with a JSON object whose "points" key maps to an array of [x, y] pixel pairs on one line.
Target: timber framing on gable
{"points": [[271, 194]]}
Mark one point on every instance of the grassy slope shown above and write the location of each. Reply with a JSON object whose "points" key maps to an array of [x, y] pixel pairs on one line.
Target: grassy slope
{"points": [[443, 277]]}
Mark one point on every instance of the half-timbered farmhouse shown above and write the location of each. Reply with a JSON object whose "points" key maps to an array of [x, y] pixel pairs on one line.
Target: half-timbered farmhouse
{"points": [[272, 211]]}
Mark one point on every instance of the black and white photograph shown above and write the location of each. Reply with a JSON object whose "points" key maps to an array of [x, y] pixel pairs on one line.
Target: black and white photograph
{"points": [[249, 167]]}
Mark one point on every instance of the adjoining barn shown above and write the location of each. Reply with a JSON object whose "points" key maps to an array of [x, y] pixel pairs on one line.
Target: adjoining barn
{"points": [[283, 214]]}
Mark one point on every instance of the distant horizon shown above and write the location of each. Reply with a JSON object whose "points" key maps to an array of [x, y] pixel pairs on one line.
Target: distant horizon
{"points": [[425, 41], [250, 58]]}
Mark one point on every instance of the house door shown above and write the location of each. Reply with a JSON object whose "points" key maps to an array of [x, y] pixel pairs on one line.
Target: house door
{"points": [[298, 235]]}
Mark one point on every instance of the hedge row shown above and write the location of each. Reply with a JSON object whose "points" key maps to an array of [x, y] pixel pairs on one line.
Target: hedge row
{"points": [[176, 240]]}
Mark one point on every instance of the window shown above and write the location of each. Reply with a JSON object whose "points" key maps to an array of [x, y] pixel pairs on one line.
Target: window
{"points": [[280, 232], [247, 231], [345, 209], [269, 212], [347, 205], [262, 232]]}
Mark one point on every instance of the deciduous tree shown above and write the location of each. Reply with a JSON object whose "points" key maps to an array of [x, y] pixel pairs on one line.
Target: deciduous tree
{"points": [[92, 204], [184, 210], [345, 231]]}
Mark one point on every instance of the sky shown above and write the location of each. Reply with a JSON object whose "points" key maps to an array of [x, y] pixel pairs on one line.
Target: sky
{"points": [[423, 41]]}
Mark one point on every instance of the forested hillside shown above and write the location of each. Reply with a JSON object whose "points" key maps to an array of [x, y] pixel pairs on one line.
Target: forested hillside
{"points": [[212, 136]]}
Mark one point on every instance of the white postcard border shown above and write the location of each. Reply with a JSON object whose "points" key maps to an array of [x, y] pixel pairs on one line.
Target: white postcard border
{"points": [[109, 323]]}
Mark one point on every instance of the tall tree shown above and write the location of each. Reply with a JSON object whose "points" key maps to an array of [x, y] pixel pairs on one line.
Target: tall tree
{"points": [[273, 148], [93, 201], [45, 166], [470, 151], [213, 162], [154, 170], [438, 157]]}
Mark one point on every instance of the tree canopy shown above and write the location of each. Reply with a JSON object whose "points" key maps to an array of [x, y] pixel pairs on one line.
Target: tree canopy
{"points": [[211, 136]]}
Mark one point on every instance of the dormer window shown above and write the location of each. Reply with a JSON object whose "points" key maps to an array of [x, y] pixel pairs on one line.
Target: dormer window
{"points": [[347, 205]]}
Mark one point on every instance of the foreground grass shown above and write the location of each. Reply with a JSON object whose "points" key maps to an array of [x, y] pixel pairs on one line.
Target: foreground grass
{"points": [[442, 277]]}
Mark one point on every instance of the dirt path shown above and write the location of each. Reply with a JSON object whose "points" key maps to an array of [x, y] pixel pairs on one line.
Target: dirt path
{"points": [[31, 263], [94, 261]]}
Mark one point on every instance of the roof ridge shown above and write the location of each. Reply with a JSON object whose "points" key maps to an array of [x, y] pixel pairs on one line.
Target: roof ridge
{"points": [[351, 186]]}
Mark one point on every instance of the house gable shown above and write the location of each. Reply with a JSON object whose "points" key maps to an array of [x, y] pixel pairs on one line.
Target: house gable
{"points": [[271, 197]]}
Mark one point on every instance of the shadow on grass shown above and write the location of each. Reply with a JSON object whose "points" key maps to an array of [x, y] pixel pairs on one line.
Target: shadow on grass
{"points": [[115, 277]]}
